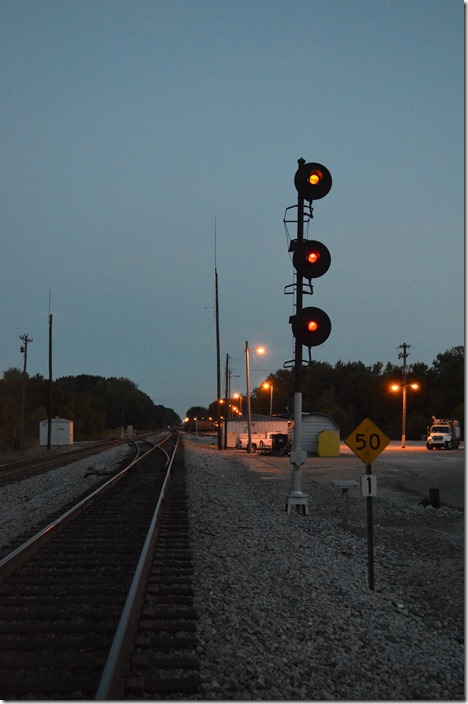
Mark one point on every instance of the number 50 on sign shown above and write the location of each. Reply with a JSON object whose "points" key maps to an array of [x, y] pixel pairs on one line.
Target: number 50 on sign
{"points": [[367, 441]]}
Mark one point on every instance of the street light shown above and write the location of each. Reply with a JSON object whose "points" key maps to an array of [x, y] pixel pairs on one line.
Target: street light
{"points": [[267, 385], [259, 350], [404, 387]]}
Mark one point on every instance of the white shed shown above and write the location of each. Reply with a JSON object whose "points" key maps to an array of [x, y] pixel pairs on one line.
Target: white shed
{"points": [[61, 432], [312, 425], [260, 424]]}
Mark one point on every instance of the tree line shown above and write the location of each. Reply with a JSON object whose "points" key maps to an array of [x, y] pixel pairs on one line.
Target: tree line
{"points": [[98, 406], [352, 391]]}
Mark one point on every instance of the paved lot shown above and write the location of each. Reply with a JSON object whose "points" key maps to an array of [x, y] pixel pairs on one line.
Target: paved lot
{"points": [[416, 469], [413, 469]]}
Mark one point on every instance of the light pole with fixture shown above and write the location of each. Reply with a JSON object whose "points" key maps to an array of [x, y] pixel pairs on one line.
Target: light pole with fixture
{"points": [[404, 387], [259, 350], [405, 369]]}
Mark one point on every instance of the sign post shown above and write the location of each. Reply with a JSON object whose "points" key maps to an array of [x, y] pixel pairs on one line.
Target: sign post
{"points": [[367, 442]]}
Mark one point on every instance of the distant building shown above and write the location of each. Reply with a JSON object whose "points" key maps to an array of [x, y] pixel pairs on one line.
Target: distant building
{"points": [[61, 432]]}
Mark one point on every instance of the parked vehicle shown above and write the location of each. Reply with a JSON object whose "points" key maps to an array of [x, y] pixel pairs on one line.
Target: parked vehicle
{"points": [[444, 433], [260, 441]]}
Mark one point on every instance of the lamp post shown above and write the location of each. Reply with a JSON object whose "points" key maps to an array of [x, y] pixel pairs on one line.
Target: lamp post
{"points": [[249, 410], [404, 387], [259, 350], [267, 385], [405, 369]]}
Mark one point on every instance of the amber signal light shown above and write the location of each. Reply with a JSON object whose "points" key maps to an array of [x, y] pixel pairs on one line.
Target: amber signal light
{"points": [[312, 181]]}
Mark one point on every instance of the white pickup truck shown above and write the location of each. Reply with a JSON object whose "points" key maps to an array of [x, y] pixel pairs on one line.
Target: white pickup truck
{"points": [[260, 441]]}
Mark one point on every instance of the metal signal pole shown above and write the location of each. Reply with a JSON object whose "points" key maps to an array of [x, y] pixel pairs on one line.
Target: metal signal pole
{"points": [[296, 497], [311, 326]]}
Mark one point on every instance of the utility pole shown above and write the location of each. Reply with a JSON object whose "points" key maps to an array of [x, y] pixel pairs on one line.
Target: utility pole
{"points": [[218, 357], [49, 396], [404, 355], [226, 397], [24, 350]]}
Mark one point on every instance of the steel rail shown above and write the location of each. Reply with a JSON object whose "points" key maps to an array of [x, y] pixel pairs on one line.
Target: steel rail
{"points": [[24, 468], [63, 455], [110, 686], [14, 559]]}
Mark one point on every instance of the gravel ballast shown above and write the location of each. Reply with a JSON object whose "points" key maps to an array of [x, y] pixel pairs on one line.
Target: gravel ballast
{"points": [[284, 607], [285, 611], [28, 503]]}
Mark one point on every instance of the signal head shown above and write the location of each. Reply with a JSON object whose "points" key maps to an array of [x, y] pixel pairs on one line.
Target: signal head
{"points": [[311, 326], [312, 180], [311, 258]]}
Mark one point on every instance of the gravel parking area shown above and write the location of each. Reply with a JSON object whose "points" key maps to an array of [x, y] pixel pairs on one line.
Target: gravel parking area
{"points": [[283, 599]]}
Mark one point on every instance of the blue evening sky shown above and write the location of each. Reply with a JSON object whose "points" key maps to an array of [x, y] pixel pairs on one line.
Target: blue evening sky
{"points": [[129, 127]]}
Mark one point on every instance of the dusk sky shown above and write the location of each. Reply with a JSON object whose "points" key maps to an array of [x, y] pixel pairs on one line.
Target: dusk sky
{"points": [[130, 127]]}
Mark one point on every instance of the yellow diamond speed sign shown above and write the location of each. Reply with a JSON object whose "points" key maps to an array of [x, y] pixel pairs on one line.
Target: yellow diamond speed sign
{"points": [[367, 441]]}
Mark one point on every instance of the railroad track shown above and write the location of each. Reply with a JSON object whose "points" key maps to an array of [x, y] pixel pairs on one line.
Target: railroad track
{"points": [[22, 469], [163, 662], [102, 609]]}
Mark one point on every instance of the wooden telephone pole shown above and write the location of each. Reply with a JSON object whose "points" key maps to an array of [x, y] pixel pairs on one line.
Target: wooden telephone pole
{"points": [[24, 349]]}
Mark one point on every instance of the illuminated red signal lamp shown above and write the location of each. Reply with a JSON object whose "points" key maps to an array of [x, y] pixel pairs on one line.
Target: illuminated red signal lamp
{"points": [[311, 258], [311, 326], [313, 181]]}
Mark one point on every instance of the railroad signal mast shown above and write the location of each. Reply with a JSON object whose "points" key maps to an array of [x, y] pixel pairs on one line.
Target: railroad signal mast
{"points": [[311, 326]]}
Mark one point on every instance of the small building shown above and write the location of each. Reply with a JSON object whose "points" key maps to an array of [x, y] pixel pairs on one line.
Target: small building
{"points": [[328, 443], [260, 424], [312, 425], [61, 432]]}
